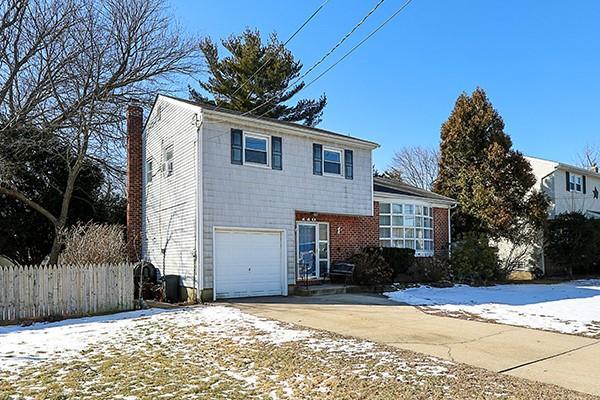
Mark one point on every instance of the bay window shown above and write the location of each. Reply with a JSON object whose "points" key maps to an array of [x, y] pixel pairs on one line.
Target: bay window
{"points": [[406, 225]]}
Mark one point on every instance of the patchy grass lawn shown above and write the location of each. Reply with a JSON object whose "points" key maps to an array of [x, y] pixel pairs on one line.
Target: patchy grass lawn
{"points": [[219, 352], [567, 307]]}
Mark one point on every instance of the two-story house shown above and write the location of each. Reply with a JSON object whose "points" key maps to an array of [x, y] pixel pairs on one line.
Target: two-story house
{"points": [[244, 206], [569, 188]]}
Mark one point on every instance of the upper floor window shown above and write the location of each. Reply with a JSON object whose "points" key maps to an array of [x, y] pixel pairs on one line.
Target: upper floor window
{"points": [[168, 161], [575, 183], [256, 149], [148, 170], [406, 225], [332, 161]]}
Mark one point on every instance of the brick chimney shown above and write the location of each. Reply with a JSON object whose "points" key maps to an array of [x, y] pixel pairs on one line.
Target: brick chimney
{"points": [[134, 180]]}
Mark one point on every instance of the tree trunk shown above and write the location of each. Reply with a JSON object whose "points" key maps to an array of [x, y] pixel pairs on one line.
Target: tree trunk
{"points": [[64, 209]]}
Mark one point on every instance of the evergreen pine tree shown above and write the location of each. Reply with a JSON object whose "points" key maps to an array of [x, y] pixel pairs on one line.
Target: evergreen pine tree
{"points": [[234, 84]]}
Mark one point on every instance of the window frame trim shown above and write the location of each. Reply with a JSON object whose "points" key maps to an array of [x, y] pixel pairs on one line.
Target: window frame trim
{"points": [[391, 226], [267, 139], [165, 170], [573, 183], [333, 150], [149, 161]]}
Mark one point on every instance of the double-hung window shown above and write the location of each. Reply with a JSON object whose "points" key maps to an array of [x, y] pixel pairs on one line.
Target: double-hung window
{"points": [[256, 149], [575, 183], [148, 171], [332, 161], [168, 161], [406, 225]]}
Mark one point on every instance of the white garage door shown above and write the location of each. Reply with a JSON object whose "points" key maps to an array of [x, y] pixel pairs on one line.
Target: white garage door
{"points": [[248, 263]]}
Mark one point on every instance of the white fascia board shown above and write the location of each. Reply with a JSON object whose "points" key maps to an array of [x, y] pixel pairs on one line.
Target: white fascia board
{"points": [[391, 197]]}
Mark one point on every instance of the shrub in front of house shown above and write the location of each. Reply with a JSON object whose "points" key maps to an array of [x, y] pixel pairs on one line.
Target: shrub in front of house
{"points": [[474, 260], [371, 267], [399, 259], [431, 269], [572, 245]]}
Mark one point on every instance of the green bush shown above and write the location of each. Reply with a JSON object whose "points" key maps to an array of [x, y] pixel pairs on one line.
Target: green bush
{"points": [[572, 245], [371, 268], [474, 260], [399, 259]]}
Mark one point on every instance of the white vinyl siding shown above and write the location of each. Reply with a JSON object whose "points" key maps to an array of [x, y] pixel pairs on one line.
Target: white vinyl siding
{"points": [[168, 219], [261, 198]]}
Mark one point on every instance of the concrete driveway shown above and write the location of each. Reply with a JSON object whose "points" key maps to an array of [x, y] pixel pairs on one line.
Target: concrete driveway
{"points": [[565, 360]]}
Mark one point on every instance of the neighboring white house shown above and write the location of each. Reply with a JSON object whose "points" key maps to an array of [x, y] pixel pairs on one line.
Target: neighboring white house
{"points": [[570, 188]]}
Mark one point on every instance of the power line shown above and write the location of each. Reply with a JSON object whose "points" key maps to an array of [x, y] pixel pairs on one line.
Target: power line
{"points": [[359, 44], [264, 64], [361, 22]]}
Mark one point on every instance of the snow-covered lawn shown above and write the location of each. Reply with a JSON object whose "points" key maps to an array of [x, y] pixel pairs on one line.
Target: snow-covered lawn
{"points": [[569, 307], [220, 352]]}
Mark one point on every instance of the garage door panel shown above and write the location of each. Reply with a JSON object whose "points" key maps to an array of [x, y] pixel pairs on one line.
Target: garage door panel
{"points": [[248, 263]]}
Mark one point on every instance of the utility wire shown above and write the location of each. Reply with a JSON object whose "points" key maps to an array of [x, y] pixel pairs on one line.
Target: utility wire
{"points": [[362, 21], [268, 60], [360, 43], [353, 49]]}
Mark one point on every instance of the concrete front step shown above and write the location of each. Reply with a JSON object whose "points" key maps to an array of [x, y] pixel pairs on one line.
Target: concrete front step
{"points": [[319, 290]]}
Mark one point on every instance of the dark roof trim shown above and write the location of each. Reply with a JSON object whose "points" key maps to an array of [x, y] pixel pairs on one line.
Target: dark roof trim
{"points": [[389, 186]]}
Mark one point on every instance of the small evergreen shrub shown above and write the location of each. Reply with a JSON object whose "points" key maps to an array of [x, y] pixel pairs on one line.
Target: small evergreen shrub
{"points": [[474, 260], [399, 259], [431, 269], [572, 245], [371, 267]]}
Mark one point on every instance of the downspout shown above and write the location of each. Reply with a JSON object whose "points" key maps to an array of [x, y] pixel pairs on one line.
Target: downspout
{"points": [[198, 225], [452, 207]]}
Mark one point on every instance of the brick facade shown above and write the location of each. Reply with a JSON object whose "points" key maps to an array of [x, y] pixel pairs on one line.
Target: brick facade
{"points": [[349, 234], [440, 231], [134, 180]]}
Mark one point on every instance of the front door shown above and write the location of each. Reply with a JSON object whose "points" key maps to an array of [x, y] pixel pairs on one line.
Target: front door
{"points": [[313, 250]]}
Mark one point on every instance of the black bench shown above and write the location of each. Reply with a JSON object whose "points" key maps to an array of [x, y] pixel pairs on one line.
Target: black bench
{"points": [[341, 270]]}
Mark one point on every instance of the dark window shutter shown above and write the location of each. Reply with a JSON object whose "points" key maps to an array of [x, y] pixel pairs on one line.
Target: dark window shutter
{"points": [[236, 146], [349, 161], [568, 181], [584, 184], [276, 153], [317, 159]]}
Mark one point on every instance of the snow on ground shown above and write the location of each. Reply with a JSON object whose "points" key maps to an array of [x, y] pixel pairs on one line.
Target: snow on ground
{"points": [[22, 345], [569, 307]]}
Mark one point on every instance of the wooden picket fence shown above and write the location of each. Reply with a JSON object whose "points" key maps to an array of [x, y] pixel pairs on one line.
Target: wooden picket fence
{"points": [[45, 291]]}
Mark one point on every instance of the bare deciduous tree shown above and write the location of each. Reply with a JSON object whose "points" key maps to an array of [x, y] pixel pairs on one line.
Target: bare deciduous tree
{"points": [[589, 156], [417, 166], [68, 68]]}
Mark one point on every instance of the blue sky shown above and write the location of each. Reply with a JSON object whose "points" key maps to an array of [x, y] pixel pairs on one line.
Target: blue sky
{"points": [[539, 62]]}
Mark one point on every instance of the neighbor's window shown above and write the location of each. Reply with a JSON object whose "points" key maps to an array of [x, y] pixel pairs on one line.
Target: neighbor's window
{"points": [[256, 149], [148, 170], [168, 164], [332, 161], [575, 183], [406, 225]]}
